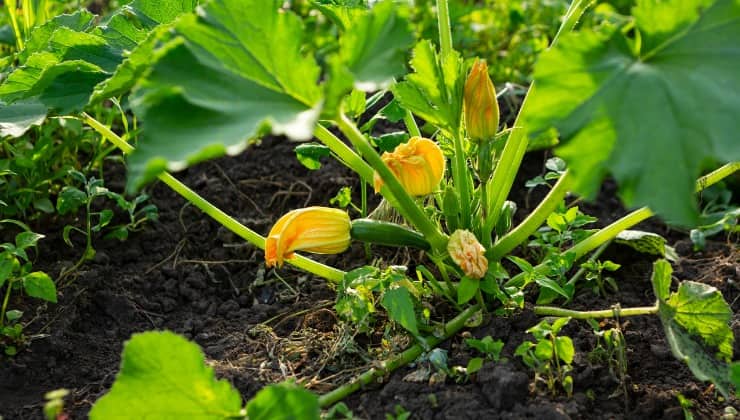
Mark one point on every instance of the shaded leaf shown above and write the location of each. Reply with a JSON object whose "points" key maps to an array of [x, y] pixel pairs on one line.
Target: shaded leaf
{"points": [[400, 307], [651, 114], [223, 74]]}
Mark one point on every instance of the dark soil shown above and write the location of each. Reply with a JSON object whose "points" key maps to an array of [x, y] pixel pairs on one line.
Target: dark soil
{"points": [[187, 274]]}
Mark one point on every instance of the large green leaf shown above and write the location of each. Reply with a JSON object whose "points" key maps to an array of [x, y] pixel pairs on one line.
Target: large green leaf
{"points": [[17, 118], [164, 376], [648, 109], [435, 90], [65, 59], [237, 66], [374, 46]]}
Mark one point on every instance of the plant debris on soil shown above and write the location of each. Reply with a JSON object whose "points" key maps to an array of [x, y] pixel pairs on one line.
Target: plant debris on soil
{"points": [[187, 274]]}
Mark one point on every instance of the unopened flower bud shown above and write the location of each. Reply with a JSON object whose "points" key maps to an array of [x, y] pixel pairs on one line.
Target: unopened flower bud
{"points": [[481, 106]]}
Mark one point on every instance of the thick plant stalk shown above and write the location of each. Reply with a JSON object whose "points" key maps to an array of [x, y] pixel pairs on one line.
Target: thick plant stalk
{"points": [[388, 366], [535, 219], [406, 205], [307, 264], [606, 313], [345, 154], [516, 145], [443, 22]]}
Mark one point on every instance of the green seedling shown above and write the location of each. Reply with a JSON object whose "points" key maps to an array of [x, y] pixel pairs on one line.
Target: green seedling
{"points": [[550, 356], [17, 275], [71, 199], [597, 279], [490, 348], [611, 348]]}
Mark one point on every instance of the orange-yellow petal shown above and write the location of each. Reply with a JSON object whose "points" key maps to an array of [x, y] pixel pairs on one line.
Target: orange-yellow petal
{"points": [[418, 164], [321, 230], [468, 254], [481, 106]]}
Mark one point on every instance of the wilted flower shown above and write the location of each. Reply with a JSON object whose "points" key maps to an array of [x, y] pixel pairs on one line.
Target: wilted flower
{"points": [[321, 230], [468, 253], [481, 107], [418, 164]]}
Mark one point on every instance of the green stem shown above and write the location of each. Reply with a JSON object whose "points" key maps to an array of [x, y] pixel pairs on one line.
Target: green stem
{"points": [[574, 13], [443, 22], [392, 189], [535, 219], [573, 280], [8, 285], [307, 264], [717, 175], [410, 122], [516, 145], [346, 155], [592, 242], [12, 8], [607, 313], [460, 176], [388, 366]]}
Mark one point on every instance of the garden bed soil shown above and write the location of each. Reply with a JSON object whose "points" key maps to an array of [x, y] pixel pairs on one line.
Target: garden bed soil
{"points": [[187, 274]]}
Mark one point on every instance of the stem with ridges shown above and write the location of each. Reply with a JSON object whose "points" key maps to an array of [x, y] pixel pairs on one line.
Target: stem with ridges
{"points": [[388, 366], [411, 126], [398, 195], [607, 313], [443, 23], [307, 264], [535, 219], [346, 155], [460, 177]]}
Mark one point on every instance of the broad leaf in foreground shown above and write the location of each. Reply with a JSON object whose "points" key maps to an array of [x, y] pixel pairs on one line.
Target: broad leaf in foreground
{"points": [[164, 376], [696, 320], [283, 401], [235, 68], [649, 111]]}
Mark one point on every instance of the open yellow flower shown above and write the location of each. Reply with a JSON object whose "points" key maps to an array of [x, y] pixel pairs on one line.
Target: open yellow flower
{"points": [[321, 230], [418, 164], [481, 106], [468, 253]]}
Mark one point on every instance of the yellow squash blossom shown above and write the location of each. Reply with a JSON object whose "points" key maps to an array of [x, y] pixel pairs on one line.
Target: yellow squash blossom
{"points": [[418, 165], [468, 253], [321, 230], [481, 107]]}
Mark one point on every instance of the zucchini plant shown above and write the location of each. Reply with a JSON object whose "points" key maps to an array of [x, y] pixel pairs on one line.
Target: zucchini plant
{"points": [[646, 100]]}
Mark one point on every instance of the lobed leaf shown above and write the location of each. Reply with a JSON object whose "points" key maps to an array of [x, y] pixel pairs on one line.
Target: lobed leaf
{"points": [[649, 110], [434, 91], [164, 376], [220, 82]]}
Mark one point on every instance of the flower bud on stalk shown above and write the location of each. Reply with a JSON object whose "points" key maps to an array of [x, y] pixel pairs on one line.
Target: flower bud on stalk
{"points": [[481, 107], [418, 164], [321, 230], [468, 253]]}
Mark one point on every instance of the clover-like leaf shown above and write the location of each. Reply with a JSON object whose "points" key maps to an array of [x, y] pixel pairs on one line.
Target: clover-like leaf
{"points": [[164, 376], [649, 109]]}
